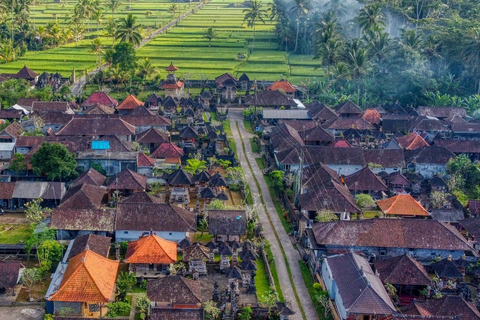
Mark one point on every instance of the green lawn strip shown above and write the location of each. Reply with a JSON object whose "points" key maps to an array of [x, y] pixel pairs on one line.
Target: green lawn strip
{"points": [[214, 116], [308, 279], [261, 280], [289, 271], [260, 163], [14, 233], [271, 263], [129, 300], [255, 146], [248, 126], [278, 205], [228, 132]]}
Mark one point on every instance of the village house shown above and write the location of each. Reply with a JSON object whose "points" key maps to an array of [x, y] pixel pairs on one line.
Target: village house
{"points": [[402, 205], [126, 182], [129, 104], [10, 275], [424, 240], [99, 98], [453, 307], [150, 256], [95, 273], [284, 86], [365, 181], [428, 161], [227, 225], [356, 290], [168, 221]]}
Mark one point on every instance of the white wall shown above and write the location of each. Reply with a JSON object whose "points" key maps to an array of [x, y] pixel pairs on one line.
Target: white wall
{"points": [[129, 235]]}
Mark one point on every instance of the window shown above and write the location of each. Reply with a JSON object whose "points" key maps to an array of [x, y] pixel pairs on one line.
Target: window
{"points": [[383, 252], [169, 233], [125, 232]]}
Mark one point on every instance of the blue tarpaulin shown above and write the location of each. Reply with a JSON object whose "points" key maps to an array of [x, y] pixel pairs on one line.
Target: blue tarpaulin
{"points": [[100, 145]]}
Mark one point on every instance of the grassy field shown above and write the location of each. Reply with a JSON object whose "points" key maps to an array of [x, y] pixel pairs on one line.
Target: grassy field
{"points": [[66, 57], [14, 233], [186, 47]]}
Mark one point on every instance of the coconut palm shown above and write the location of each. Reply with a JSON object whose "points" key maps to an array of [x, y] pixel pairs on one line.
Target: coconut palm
{"points": [[210, 34], [370, 16], [77, 21], [336, 7], [253, 14], [173, 9], [113, 5], [471, 52], [111, 29], [299, 9], [146, 68], [129, 30], [97, 50], [412, 39], [97, 15]]}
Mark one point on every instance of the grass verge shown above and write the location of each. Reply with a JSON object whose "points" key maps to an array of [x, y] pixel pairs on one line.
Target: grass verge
{"points": [[271, 263], [308, 280], [248, 126], [260, 163], [261, 280], [255, 146], [289, 271], [14, 233], [278, 205]]}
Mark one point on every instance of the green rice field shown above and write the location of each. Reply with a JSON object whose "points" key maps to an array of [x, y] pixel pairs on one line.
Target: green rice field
{"points": [[183, 45], [186, 47]]}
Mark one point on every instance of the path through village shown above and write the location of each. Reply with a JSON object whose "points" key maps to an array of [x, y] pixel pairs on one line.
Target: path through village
{"points": [[79, 84], [271, 223]]}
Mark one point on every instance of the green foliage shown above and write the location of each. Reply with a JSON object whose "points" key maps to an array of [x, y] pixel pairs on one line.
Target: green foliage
{"points": [[125, 283], [124, 57], [37, 238], [270, 299], [48, 316], [30, 278], [12, 90], [364, 200], [195, 165], [210, 34], [54, 161], [49, 254], [216, 205], [225, 164], [142, 303], [276, 177], [438, 199], [98, 167], [461, 197], [325, 216], [211, 310], [463, 167], [129, 31], [246, 314], [118, 308], [18, 163], [34, 211]]}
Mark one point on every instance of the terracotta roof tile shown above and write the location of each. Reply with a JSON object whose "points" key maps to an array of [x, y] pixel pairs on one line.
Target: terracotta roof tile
{"points": [[152, 135], [167, 150], [83, 196], [96, 243], [100, 98], [6, 190], [412, 141], [144, 161], [130, 103], [402, 205], [402, 270], [141, 197], [372, 116], [52, 106], [83, 219], [171, 67], [89, 277], [175, 289], [91, 176], [283, 85], [365, 180], [14, 129], [151, 249], [176, 85], [127, 180]]}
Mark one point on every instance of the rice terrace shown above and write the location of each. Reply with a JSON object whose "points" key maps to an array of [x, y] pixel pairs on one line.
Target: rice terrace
{"points": [[231, 50]]}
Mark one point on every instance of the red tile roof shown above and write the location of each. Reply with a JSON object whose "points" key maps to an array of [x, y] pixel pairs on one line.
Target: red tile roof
{"points": [[372, 116], [177, 85], [151, 249], [283, 85], [130, 103], [144, 161], [100, 98], [91, 176], [127, 180], [14, 130], [341, 144], [6, 190], [402, 205], [412, 141], [171, 67], [167, 150], [89, 277], [96, 127]]}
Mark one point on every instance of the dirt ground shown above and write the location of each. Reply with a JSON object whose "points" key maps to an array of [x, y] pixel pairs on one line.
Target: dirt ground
{"points": [[22, 313], [14, 218]]}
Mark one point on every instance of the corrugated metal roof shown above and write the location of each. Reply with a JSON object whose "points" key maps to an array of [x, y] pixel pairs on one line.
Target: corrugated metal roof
{"points": [[286, 114], [7, 146]]}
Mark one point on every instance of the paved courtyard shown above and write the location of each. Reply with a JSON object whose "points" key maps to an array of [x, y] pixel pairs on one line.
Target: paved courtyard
{"points": [[22, 313]]}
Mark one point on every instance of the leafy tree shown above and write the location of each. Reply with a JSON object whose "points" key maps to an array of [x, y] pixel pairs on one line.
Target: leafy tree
{"points": [[49, 254], [143, 303], [123, 56], [371, 16], [118, 308], [325, 216], [36, 238], [211, 310], [98, 167], [462, 165], [54, 161], [246, 314], [438, 199], [210, 34], [48, 316], [18, 163], [203, 225], [125, 283], [461, 197], [12, 90], [113, 5], [97, 50], [146, 69], [216, 205], [129, 30], [253, 14], [276, 176], [195, 165], [30, 278], [225, 164], [270, 299], [35, 212], [364, 200]]}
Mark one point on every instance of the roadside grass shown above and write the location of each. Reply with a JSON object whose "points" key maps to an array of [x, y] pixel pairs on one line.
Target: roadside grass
{"points": [[261, 280], [287, 225], [255, 147], [271, 263], [308, 280], [260, 163], [14, 233], [248, 126]]}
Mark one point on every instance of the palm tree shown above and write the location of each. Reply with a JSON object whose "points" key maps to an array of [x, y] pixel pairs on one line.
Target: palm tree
{"points": [[146, 68], [210, 34], [329, 52], [77, 22], [471, 52], [113, 5], [356, 58], [412, 39], [336, 7], [173, 9], [370, 16], [299, 9], [129, 31], [97, 50], [253, 14], [111, 30], [97, 15]]}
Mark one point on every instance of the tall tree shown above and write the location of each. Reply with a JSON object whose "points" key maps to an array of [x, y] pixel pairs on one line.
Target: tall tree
{"points": [[129, 30], [253, 14], [471, 53], [210, 34], [97, 51], [54, 161], [370, 17], [299, 9], [113, 6]]}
